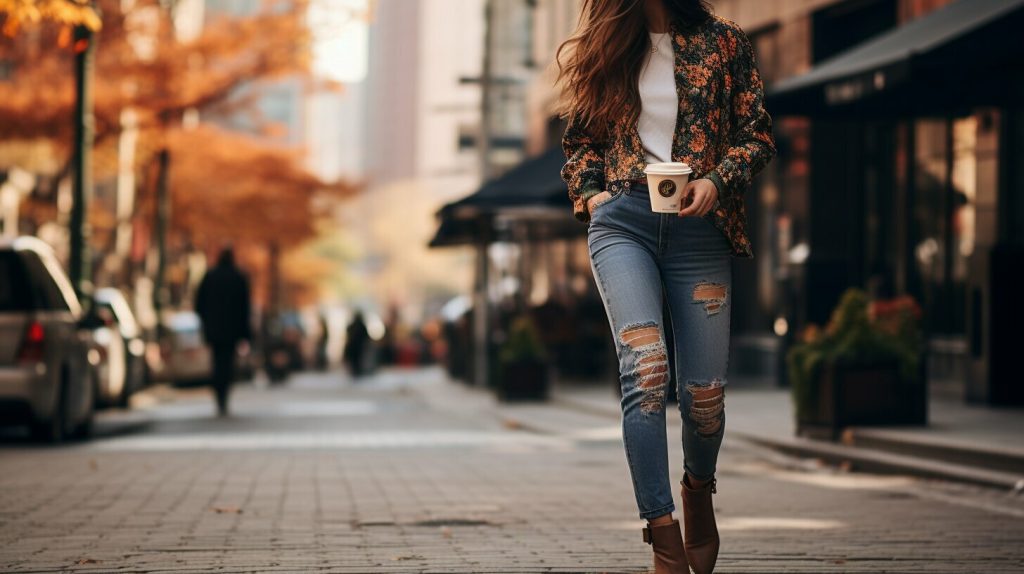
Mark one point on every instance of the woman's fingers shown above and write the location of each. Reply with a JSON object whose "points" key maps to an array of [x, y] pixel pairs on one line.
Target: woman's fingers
{"points": [[709, 203], [688, 191], [704, 195]]}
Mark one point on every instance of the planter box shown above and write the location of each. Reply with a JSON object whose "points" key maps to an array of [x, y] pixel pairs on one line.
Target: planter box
{"points": [[863, 395], [523, 381]]}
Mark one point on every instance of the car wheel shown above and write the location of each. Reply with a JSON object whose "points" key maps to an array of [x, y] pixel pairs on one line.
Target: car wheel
{"points": [[83, 429], [52, 430]]}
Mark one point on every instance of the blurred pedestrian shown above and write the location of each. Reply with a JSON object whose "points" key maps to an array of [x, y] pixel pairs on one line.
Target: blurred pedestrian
{"points": [[624, 72], [323, 343], [356, 341], [222, 303]]}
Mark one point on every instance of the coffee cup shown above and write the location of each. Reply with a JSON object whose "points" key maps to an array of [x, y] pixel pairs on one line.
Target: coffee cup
{"points": [[666, 182]]}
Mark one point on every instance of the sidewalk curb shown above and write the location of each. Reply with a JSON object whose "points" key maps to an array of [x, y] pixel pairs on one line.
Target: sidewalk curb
{"points": [[994, 458], [861, 458], [889, 463]]}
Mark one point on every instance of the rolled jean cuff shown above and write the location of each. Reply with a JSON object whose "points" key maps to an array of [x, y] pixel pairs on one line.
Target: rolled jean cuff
{"points": [[698, 477], [667, 509]]}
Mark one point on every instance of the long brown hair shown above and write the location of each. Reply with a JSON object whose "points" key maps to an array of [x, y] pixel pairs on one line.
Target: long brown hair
{"points": [[599, 77]]}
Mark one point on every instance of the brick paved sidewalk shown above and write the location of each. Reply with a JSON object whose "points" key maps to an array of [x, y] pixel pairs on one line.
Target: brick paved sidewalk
{"points": [[426, 476]]}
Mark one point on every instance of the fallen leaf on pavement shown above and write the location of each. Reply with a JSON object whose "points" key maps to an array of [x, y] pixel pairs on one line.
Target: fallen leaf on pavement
{"points": [[226, 509]]}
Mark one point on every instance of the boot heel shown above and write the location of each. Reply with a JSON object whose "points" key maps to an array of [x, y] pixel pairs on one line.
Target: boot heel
{"points": [[667, 542]]}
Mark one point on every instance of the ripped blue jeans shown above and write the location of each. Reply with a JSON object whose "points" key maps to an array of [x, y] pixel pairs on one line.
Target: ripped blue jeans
{"points": [[642, 259]]}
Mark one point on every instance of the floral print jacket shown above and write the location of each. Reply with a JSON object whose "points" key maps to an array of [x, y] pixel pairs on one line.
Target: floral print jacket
{"points": [[722, 129]]}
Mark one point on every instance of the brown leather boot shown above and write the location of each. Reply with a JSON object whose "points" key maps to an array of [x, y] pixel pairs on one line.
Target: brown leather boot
{"points": [[701, 531], [667, 542]]}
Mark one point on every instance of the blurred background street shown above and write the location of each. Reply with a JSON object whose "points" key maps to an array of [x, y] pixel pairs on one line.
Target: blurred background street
{"points": [[409, 472], [295, 285]]}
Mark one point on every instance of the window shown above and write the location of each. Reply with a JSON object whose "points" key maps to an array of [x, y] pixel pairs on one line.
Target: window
{"points": [[766, 52], [945, 193], [846, 24], [15, 291], [48, 295]]}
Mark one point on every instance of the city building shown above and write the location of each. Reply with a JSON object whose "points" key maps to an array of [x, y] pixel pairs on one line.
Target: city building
{"points": [[895, 174], [418, 116]]}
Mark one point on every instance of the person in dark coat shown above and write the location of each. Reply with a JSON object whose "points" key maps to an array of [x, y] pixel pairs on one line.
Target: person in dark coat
{"points": [[222, 303], [323, 343], [356, 340]]}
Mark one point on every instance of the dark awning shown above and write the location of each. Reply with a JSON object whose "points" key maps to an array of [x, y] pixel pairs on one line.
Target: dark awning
{"points": [[533, 190], [535, 181], [968, 53]]}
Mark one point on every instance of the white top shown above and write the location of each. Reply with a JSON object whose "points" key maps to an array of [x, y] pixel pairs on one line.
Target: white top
{"points": [[659, 103]]}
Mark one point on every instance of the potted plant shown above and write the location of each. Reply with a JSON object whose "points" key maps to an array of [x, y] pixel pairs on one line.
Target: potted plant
{"points": [[866, 367], [523, 363]]}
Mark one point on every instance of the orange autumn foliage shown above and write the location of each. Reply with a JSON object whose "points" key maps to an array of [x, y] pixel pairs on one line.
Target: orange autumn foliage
{"points": [[17, 13], [139, 63], [228, 186], [224, 186]]}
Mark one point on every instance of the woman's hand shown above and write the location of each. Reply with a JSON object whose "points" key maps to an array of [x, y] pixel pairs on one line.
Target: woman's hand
{"points": [[699, 196], [597, 199]]}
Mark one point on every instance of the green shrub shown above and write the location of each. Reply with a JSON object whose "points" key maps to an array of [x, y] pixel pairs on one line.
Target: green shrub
{"points": [[860, 332], [524, 342]]}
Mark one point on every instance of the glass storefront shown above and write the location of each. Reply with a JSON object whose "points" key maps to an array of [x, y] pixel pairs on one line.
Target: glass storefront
{"points": [[943, 224]]}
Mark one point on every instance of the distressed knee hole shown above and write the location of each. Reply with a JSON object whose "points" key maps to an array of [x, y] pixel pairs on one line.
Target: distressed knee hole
{"points": [[643, 335], [712, 295], [707, 407], [650, 363]]}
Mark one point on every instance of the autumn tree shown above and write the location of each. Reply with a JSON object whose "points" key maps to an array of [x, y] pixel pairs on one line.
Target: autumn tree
{"points": [[142, 65], [221, 185]]}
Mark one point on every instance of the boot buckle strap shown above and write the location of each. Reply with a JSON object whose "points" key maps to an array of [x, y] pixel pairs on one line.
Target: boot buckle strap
{"points": [[647, 534]]}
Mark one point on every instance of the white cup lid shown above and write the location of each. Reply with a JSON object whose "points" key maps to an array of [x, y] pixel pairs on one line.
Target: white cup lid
{"points": [[668, 168]]}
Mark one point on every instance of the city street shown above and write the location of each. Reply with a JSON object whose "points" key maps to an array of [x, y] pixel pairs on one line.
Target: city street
{"points": [[389, 218], [408, 472]]}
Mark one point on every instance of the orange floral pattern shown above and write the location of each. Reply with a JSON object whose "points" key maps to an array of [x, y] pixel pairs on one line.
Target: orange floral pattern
{"points": [[715, 72]]}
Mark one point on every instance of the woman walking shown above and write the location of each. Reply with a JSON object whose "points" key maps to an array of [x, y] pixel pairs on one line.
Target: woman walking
{"points": [[653, 81]]}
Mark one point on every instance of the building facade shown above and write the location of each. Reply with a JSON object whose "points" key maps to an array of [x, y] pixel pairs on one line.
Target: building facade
{"points": [[908, 201], [418, 117], [899, 195]]}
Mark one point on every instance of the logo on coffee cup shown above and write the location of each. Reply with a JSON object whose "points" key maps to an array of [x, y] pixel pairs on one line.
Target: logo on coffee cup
{"points": [[666, 187]]}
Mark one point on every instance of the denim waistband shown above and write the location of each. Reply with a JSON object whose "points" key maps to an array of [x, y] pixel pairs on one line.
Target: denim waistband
{"points": [[628, 185]]}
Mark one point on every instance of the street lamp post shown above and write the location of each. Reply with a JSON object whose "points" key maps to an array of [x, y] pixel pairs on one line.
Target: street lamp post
{"points": [[79, 267], [163, 222]]}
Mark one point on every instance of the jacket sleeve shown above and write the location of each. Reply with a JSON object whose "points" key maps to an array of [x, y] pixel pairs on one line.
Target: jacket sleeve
{"points": [[751, 144], [584, 167]]}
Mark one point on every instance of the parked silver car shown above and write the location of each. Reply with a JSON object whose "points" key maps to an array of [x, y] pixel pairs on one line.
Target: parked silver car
{"points": [[179, 355], [121, 340], [44, 373]]}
